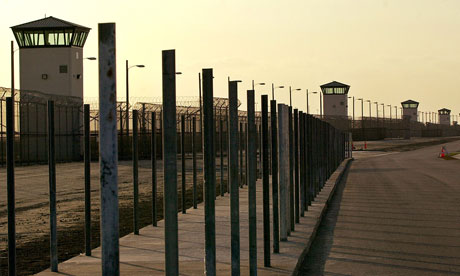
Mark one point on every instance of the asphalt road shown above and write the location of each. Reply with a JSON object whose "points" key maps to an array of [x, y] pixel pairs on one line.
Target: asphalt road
{"points": [[395, 214]]}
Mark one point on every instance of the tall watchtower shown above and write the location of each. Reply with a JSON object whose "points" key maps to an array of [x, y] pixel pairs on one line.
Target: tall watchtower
{"points": [[410, 108], [51, 56], [444, 116], [335, 98]]}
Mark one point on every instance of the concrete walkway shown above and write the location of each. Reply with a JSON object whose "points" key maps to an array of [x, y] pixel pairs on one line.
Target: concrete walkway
{"points": [[144, 254], [395, 214]]}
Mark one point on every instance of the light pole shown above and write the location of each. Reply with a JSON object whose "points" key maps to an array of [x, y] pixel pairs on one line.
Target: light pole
{"points": [[320, 103], [383, 108], [255, 84], [353, 109], [273, 90], [362, 116], [127, 92], [370, 108], [377, 110], [390, 111], [290, 95]]}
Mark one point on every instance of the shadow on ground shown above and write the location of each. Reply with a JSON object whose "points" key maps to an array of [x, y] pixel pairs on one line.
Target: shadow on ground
{"points": [[315, 260]]}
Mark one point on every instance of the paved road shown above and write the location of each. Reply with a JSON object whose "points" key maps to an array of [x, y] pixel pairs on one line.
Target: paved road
{"points": [[395, 214]]}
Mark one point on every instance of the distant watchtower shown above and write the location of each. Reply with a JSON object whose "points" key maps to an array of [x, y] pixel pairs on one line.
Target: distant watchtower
{"points": [[444, 116], [51, 56], [410, 109], [335, 98]]}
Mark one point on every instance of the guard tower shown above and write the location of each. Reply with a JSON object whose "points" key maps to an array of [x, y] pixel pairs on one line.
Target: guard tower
{"points": [[444, 116], [51, 56], [410, 109], [335, 99]]}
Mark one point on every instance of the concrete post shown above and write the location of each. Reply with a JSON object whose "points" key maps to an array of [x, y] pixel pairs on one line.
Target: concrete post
{"points": [[265, 180], [108, 150], [135, 173], [221, 145], [170, 163], [252, 177], [283, 135], [52, 188], [87, 180], [274, 159], [241, 145], [302, 162], [296, 167], [233, 167], [194, 162], [10, 185], [291, 175], [182, 154], [153, 161], [209, 173]]}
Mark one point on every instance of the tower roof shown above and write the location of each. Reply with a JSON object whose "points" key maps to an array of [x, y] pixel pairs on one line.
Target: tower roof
{"points": [[49, 23], [334, 84], [444, 110], [50, 32], [409, 102], [335, 88]]}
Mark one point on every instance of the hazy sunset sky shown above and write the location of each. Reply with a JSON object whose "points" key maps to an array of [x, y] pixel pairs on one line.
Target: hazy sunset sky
{"points": [[387, 50]]}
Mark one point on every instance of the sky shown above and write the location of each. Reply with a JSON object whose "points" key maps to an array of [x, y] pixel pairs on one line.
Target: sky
{"points": [[388, 51]]}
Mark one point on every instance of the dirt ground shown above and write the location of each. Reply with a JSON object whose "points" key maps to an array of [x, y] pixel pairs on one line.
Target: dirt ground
{"points": [[32, 208]]}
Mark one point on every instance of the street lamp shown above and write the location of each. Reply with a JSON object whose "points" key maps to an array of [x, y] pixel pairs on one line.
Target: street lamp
{"points": [[383, 108], [362, 117], [370, 108], [273, 90], [390, 111], [290, 95], [255, 84], [320, 104], [127, 92], [353, 109], [377, 109]]}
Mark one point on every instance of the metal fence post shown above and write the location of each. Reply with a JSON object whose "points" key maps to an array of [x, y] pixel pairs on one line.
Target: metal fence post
{"points": [[252, 178], [302, 162], [221, 145], [296, 167], [274, 159], [265, 180], [241, 144], [283, 135], [135, 155], [194, 162], [234, 185], [52, 188], [87, 157], [10, 186], [209, 173], [170, 163], [182, 149], [108, 151], [291, 174], [153, 160]]}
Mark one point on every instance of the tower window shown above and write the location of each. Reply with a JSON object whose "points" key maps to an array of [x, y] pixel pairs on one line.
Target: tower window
{"points": [[63, 69]]}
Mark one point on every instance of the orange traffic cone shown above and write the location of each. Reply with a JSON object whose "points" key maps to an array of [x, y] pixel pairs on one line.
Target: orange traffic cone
{"points": [[365, 145], [443, 152]]}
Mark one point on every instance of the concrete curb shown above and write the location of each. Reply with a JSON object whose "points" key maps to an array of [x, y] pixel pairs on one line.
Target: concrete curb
{"points": [[324, 199]]}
